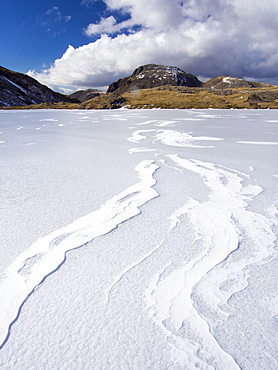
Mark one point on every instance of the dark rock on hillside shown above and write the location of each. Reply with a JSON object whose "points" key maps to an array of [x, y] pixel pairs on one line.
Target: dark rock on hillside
{"points": [[258, 97], [18, 89], [154, 75], [103, 101], [227, 82], [84, 95]]}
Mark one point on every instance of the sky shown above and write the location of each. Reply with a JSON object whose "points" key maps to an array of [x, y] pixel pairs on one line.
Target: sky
{"points": [[79, 44]]}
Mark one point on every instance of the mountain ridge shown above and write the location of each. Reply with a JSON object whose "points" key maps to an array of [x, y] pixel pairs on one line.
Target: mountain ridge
{"points": [[149, 86], [18, 89]]}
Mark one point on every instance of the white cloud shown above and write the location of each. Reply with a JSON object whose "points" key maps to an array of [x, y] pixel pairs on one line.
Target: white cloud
{"points": [[66, 91], [106, 25], [203, 37]]}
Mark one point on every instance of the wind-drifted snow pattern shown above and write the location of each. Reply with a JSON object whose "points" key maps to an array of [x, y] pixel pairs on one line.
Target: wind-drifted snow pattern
{"points": [[157, 230], [48, 253]]}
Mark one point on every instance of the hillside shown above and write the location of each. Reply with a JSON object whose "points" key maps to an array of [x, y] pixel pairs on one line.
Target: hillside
{"points": [[84, 95], [150, 86], [18, 89]]}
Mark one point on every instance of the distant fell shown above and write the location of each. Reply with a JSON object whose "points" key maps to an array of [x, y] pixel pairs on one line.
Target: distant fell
{"points": [[18, 89], [228, 82], [154, 75], [84, 95]]}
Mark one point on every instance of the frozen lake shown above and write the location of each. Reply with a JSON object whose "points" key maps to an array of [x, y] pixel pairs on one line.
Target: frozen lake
{"points": [[138, 239]]}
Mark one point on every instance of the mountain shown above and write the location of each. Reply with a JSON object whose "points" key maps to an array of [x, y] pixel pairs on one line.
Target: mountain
{"points": [[84, 95], [18, 89], [149, 86], [228, 82], [154, 75]]}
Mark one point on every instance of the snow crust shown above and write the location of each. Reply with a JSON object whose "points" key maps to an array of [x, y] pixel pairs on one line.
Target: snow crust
{"points": [[131, 248]]}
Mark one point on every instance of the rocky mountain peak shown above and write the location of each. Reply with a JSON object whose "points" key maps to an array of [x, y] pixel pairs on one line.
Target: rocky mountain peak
{"points": [[154, 75]]}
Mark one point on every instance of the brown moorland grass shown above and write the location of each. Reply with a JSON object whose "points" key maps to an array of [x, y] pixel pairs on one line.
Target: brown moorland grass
{"points": [[174, 97], [198, 99]]}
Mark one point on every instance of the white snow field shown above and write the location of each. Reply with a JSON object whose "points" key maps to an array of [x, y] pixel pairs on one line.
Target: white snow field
{"points": [[138, 239]]}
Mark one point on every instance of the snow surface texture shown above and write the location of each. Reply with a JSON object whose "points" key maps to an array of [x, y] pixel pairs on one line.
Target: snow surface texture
{"points": [[138, 239]]}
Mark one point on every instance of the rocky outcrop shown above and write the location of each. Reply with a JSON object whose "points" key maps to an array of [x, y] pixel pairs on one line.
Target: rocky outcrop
{"points": [[18, 89], [257, 98], [154, 75]]}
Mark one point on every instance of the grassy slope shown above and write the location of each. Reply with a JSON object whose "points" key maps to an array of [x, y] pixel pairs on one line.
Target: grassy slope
{"points": [[198, 98], [178, 98]]}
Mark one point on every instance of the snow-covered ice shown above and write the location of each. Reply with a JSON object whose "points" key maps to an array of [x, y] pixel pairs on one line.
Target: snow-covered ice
{"points": [[131, 248]]}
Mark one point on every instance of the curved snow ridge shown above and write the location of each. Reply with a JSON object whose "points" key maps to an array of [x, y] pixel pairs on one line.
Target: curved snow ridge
{"points": [[190, 301], [47, 254], [143, 259], [173, 138], [225, 224], [183, 139], [140, 150], [137, 137], [258, 142]]}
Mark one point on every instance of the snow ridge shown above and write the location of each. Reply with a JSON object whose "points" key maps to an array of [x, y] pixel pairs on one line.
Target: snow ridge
{"points": [[194, 298], [47, 254]]}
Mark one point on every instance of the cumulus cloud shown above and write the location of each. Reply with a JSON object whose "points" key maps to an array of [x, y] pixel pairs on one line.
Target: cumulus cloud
{"points": [[106, 25], [205, 37]]}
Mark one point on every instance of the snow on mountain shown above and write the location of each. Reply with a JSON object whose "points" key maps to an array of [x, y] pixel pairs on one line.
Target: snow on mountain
{"points": [[154, 75]]}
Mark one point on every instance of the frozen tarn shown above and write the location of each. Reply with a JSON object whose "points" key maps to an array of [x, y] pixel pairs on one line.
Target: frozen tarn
{"points": [[138, 150], [47, 254], [48, 120], [191, 282], [157, 123], [258, 142]]}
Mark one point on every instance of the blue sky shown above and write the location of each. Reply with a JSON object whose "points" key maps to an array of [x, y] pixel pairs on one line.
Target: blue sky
{"points": [[35, 32], [73, 44]]}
